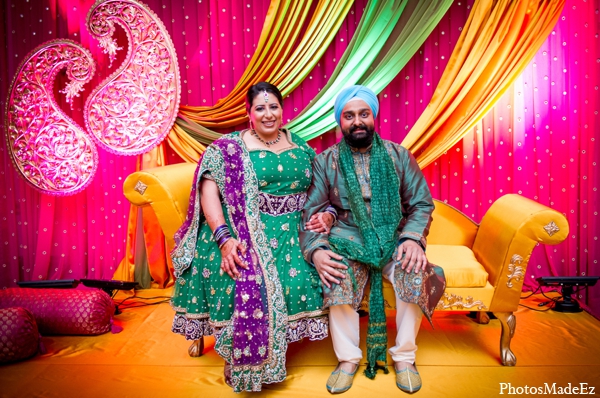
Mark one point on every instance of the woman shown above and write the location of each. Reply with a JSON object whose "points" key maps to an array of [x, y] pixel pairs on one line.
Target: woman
{"points": [[240, 272]]}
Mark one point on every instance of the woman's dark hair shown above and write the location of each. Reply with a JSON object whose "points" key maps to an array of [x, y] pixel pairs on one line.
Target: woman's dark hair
{"points": [[257, 89]]}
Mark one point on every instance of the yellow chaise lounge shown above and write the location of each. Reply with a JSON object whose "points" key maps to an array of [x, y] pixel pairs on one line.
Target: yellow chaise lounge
{"points": [[484, 263]]}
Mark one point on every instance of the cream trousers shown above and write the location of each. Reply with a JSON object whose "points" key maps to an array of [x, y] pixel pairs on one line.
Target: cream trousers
{"points": [[345, 333]]}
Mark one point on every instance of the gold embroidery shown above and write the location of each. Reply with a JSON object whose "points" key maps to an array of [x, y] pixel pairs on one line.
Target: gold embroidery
{"points": [[453, 300], [258, 314], [551, 228], [140, 187]]}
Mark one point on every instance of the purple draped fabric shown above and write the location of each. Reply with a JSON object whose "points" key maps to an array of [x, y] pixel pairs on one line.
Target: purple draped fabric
{"points": [[250, 316]]}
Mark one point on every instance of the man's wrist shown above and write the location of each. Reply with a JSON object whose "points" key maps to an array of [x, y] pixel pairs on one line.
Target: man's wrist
{"points": [[312, 261], [402, 240]]}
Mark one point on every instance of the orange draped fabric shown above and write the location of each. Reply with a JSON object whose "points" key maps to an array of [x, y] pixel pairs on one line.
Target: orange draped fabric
{"points": [[499, 39], [281, 29], [145, 239]]}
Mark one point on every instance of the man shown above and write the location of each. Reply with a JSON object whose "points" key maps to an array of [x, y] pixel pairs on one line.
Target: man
{"points": [[384, 212]]}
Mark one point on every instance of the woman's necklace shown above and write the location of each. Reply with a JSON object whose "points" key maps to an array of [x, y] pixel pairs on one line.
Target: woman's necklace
{"points": [[267, 143]]}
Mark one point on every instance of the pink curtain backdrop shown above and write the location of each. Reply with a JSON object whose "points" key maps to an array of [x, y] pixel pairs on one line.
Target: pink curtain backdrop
{"points": [[540, 140]]}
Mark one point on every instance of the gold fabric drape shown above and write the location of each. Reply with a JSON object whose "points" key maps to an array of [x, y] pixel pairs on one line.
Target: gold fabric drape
{"points": [[498, 41]]}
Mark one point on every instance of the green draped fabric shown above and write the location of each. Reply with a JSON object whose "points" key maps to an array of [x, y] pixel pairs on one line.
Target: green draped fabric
{"points": [[365, 61]]}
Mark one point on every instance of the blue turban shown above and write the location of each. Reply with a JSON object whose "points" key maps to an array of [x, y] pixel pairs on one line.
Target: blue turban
{"points": [[362, 92]]}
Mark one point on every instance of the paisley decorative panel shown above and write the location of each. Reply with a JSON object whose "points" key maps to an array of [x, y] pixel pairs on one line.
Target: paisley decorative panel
{"points": [[133, 110], [46, 146]]}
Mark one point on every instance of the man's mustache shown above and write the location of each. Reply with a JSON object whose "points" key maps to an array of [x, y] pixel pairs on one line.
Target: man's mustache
{"points": [[353, 128]]}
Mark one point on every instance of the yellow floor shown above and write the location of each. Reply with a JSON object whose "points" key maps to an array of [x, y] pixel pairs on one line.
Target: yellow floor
{"points": [[458, 358]]}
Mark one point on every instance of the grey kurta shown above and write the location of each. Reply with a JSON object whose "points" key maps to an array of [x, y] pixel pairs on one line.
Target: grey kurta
{"points": [[328, 187]]}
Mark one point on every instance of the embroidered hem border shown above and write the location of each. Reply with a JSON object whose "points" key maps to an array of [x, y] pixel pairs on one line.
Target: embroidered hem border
{"points": [[316, 328], [312, 328]]}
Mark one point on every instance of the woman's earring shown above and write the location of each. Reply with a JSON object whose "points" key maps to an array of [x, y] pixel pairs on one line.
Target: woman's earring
{"points": [[250, 123]]}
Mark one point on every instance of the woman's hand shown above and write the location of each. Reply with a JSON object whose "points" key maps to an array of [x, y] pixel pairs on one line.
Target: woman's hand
{"points": [[320, 222], [230, 259]]}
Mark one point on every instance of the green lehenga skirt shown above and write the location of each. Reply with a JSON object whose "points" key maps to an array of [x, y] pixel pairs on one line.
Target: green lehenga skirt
{"points": [[203, 297]]}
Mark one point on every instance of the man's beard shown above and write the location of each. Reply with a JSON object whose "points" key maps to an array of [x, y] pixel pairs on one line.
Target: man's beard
{"points": [[359, 142]]}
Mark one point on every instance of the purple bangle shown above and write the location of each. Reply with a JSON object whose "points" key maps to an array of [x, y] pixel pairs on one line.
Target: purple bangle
{"points": [[331, 210], [221, 235], [223, 240]]}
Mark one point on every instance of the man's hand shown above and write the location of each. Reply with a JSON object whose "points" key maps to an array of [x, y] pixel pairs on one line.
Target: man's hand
{"points": [[320, 222], [414, 256], [327, 267], [230, 259]]}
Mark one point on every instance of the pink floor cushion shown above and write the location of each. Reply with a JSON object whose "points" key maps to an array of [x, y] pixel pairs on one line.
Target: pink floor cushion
{"points": [[19, 336], [64, 311]]}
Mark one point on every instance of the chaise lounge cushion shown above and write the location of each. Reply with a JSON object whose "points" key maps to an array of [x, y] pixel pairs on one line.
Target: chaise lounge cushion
{"points": [[461, 268]]}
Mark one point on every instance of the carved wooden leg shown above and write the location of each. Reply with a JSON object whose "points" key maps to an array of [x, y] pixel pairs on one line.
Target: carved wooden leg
{"points": [[509, 323], [482, 317], [196, 348]]}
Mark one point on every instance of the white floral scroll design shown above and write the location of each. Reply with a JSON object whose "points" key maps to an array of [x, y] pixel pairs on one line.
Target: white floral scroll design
{"points": [[48, 149], [134, 109], [515, 269]]}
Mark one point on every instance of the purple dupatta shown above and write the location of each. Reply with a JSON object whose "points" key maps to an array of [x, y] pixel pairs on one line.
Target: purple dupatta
{"points": [[250, 317], [254, 341]]}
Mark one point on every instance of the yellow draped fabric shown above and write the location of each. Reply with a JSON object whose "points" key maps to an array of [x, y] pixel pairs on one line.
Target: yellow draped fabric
{"points": [[277, 60], [498, 41]]}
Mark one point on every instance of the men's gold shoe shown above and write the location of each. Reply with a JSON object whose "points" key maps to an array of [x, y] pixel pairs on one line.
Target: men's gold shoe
{"points": [[408, 380], [340, 381]]}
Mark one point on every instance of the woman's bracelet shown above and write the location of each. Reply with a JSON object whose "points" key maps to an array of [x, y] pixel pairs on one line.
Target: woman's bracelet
{"points": [[331, 210], [221, 235]]}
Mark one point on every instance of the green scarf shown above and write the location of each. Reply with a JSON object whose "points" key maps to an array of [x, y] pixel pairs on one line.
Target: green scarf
{"points": [[380, 237]]}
